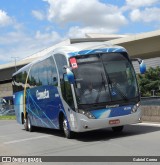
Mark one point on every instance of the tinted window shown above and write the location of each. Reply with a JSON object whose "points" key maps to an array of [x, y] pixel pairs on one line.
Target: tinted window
{"points": [[43, 73], [65, 86], [51, 72], [18, 81], [61, 62]]}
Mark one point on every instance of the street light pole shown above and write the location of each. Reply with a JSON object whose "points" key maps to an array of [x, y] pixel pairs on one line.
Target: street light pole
{"points": [[15, 60]]}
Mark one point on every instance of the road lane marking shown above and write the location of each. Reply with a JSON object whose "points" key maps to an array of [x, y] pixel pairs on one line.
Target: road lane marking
{"points": [[149, 124], [22, 140], [45, 136]]}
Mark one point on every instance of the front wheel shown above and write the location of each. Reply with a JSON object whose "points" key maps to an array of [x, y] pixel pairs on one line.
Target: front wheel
{"points": [[68, 133], [118, 129]]}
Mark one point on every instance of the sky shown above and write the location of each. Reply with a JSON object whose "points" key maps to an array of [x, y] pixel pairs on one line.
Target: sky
{"points": [[29, 26]]}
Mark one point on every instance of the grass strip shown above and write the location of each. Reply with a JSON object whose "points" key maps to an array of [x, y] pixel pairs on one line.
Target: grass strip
{"points": [[8, 117]]}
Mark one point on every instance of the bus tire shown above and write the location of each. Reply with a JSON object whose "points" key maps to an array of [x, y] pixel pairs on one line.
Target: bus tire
{"points": [[30, 127], [26, 123], [118, 129], [68, 133]]}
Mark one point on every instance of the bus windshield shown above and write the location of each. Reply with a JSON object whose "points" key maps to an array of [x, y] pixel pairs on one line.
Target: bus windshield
{"points": [[103, 78]]}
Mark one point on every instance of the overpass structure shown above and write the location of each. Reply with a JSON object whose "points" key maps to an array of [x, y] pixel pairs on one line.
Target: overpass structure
{"points": [[144, 45]]}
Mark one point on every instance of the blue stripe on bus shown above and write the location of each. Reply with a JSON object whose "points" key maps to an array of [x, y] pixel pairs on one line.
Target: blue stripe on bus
{"points": [[37, 108], [112, 112], [95, 51], [43, 112]]}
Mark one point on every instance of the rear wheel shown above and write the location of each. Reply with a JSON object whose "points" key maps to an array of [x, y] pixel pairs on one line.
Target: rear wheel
{"points": [[68, 133], [118, 129], [30, 127], [27, 124]]}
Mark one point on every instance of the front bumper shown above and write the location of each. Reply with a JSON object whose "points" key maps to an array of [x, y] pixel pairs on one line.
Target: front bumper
{"points": [[83, 124]]}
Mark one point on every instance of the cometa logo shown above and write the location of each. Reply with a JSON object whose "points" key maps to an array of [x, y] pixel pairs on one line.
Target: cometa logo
{"points": [[42, 95]]}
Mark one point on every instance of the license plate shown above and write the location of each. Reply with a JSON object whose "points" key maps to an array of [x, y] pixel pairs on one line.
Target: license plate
{"points": [[112, 122]]}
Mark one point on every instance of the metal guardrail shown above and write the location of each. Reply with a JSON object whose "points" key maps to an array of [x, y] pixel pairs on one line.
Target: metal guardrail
{"points": [[145, 101], [150, 101], [7, 110]]}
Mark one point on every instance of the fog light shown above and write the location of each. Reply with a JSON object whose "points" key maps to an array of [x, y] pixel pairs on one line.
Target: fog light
{"points": [[85, 126]]}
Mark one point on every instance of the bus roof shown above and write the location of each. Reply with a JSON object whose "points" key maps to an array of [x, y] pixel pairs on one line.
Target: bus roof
{"points": [[87, 47], [79, 49]]}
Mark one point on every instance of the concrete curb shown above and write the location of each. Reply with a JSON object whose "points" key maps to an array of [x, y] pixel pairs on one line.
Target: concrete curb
{"points": [[151, 113]]}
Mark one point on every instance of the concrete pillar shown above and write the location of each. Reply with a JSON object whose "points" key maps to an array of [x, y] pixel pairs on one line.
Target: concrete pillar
{"points": [[6, 90]]}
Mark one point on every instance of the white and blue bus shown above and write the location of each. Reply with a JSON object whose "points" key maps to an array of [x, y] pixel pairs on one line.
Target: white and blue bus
{"points": [[77, 88]]}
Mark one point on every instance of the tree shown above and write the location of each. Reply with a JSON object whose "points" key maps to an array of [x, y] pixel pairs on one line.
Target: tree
{"points": [[150, 81]]}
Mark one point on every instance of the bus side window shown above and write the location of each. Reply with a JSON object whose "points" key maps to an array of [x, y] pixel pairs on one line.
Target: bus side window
{"points": [[52, 73], [14, 84], [43, 73], [67, 93], [61, 62], [32, 77], [65, 85]]}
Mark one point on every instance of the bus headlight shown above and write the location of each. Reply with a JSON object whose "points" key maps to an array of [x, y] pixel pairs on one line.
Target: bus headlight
{"points": [[86, 113], [135, 107]]}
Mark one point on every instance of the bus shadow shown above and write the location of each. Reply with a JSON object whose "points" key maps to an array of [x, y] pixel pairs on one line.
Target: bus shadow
{"points": [[48, 131], [107, 134], [102, 134]]}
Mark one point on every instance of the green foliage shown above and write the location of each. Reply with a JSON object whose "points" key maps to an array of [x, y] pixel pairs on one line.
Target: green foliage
{"points": [[149, 81]]}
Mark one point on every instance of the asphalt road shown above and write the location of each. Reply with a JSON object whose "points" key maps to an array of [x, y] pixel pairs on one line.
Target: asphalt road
{"points": [[136, 140]]}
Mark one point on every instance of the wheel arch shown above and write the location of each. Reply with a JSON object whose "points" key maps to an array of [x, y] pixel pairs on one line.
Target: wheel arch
{"points": [[22, 117], [60, 119]]}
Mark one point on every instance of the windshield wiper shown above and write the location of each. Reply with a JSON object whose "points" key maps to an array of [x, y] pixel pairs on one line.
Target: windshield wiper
{"points": [[110, 83], [115, 86], [100, 89]]}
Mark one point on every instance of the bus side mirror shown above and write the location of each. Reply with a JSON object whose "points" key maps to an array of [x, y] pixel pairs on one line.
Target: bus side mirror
{"points": [[70, 76], [142, 65]]}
